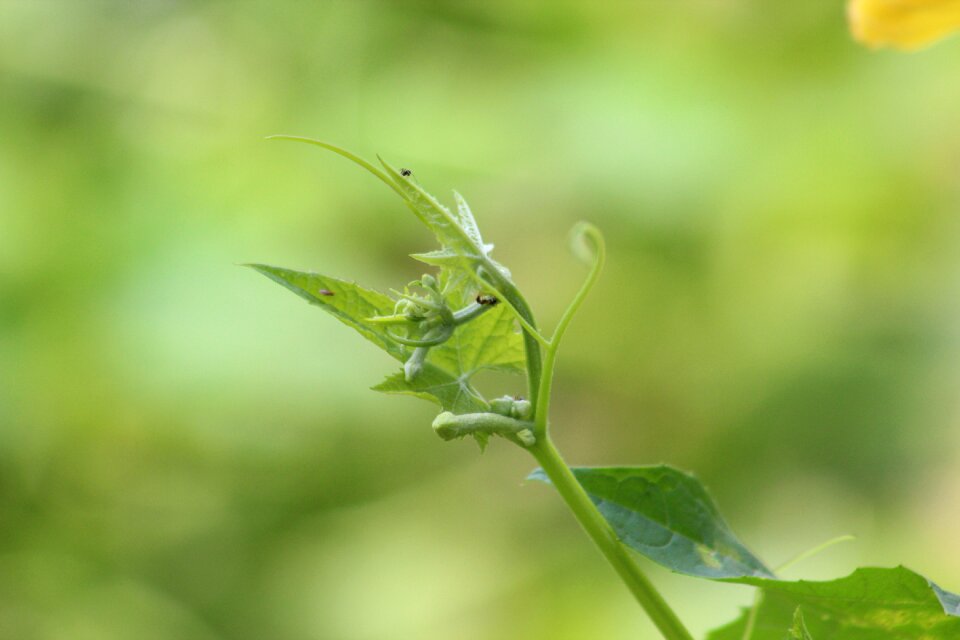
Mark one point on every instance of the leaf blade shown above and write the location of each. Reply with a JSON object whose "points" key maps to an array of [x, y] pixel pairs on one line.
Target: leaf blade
{"points": [[869, 603], [347, 301], [438, 386], [488, 342], [667, 516], [445, 225]]}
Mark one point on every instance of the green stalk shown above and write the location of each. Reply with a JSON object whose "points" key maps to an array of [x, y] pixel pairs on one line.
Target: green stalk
{"points": [[530, 342], [540, 377], [606, 540]]}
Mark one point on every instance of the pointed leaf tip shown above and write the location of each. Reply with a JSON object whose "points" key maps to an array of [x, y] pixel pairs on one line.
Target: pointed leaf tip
{"points": [[349, 155], [347, 301]]}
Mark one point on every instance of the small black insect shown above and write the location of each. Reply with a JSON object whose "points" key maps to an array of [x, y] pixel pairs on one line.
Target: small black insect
{"points": [[325, 292], [406, 173], [486, 299]]}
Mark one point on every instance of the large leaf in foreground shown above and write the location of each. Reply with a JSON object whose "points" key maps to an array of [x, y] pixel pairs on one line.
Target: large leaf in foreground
{"points": [[668, 516], [869, 604], [348, 302]]}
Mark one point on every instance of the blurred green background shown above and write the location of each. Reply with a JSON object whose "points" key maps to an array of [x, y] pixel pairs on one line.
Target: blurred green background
{"points": [[187, 451]]}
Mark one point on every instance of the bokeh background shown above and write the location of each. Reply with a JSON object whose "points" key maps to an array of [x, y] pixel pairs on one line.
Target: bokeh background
{"points": [[187, 451]]}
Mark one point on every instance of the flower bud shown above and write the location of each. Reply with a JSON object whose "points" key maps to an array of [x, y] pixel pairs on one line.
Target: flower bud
{"points": [[502, 406], [521, 410], [427, 281]]}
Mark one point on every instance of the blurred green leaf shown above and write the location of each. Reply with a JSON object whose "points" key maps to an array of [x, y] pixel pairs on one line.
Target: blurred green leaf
{"points": [[870, 603], [668, 516]]}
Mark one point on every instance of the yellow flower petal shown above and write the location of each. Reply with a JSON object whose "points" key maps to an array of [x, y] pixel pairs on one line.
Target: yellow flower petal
{"points": [[903, 24]]}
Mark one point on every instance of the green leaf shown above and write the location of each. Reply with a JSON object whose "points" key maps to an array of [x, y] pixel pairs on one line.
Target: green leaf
{"points": [[444, 257], [453, 394], [346, 301], [488, 342], [448, 386], [447, 257], [447, 227], [458, 233], [667, 515], [467, 222], [799, 629], [869, 604]]}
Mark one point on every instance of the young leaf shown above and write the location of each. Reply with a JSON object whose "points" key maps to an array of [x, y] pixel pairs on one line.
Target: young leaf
{"points": [[467, 222], [445, 257], [488, 342], [457, 233], [447, 227], [870, 603], [667, 515], [452, 394], [346, 301], [799, 629]]}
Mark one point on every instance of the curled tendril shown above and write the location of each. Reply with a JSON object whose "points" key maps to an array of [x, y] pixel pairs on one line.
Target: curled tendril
{"points": [[586, 243], [432, 339]]}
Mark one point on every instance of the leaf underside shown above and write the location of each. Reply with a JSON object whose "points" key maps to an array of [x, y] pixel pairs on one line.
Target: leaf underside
{"points": [[667, 516]]}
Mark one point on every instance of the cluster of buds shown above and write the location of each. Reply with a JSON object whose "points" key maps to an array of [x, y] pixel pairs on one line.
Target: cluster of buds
{"points": [[428, 319], [512, 407]]}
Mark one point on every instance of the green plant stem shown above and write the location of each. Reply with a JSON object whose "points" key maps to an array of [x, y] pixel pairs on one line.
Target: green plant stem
{"points": [[602, 534], [540, 377], [530, 340]]}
